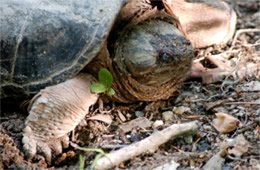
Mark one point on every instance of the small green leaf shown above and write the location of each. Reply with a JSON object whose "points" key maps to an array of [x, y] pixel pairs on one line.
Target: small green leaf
{"points": [[111, 92], [105, 77], [97, 88]]}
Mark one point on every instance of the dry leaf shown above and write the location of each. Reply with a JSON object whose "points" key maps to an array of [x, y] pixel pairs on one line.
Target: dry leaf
{"points": [[225, 123], [240, 146], [141, 122], [191, 16], [104, 118], [172, 165]]}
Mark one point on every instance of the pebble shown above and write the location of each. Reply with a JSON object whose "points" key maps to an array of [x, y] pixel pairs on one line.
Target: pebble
{"points": [[139, 113], [158, 123], [188, 139], [167, 115], [180, 110], [230, 142], [257, 120], [203, 146]]}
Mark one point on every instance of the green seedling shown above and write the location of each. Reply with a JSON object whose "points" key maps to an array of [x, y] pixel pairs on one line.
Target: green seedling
{"points": [[81, 162], [105, 80], [97, 157]]}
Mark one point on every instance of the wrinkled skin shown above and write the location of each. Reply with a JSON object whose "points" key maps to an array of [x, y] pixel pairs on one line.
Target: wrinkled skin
{"points": [[55, 111], [150, 60]]}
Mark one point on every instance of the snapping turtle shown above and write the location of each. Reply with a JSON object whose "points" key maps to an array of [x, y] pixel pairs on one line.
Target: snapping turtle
{"points": [[44, 46]]}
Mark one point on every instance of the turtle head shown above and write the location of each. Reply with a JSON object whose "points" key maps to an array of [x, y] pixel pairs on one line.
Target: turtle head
{"points": [[154, 57]]}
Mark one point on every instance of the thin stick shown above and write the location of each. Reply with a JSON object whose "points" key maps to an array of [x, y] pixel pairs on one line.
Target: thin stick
{"points": [[149, 144]]}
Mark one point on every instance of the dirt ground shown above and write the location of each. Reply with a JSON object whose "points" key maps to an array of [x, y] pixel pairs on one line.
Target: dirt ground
{"points": [[237, 95]]}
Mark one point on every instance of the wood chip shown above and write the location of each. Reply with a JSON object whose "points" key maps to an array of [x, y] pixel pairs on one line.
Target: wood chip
{"points": [[104, 118], [121, 116]]}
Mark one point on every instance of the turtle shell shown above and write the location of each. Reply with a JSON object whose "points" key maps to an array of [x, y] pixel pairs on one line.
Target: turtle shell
{"points": [[47, 42]]}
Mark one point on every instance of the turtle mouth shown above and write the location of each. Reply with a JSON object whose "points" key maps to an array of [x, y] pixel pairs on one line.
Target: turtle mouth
{"points": [[160, 73]]}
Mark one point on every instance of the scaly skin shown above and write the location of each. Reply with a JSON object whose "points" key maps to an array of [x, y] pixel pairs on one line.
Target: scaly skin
{"points": [[54, 112]]}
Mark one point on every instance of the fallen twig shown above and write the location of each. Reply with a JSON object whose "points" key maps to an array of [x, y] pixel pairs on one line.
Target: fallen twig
{"points": [[150, 143]]}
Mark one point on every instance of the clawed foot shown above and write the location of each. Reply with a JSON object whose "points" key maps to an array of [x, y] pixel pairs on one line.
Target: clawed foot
{"points": [[54, 112], [48, 149]]}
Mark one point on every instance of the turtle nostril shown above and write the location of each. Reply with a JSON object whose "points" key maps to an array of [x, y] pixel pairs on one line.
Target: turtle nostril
{"points": [[188, 42]]}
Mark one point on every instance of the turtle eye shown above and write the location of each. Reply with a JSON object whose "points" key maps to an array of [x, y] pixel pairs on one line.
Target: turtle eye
{"points": [[165, 57]]}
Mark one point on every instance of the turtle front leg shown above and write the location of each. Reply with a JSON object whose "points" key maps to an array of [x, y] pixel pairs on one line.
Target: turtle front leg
{"points": [[55, 111]]}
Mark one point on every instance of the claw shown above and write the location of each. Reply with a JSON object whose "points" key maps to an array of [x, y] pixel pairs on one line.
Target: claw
{"points": [[46, 150], [65, 142], [57, 147], [29, 147], [54, 112]]}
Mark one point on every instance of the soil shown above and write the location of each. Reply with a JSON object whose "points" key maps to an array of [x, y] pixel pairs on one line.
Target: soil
{"points": [[237, 95]]}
